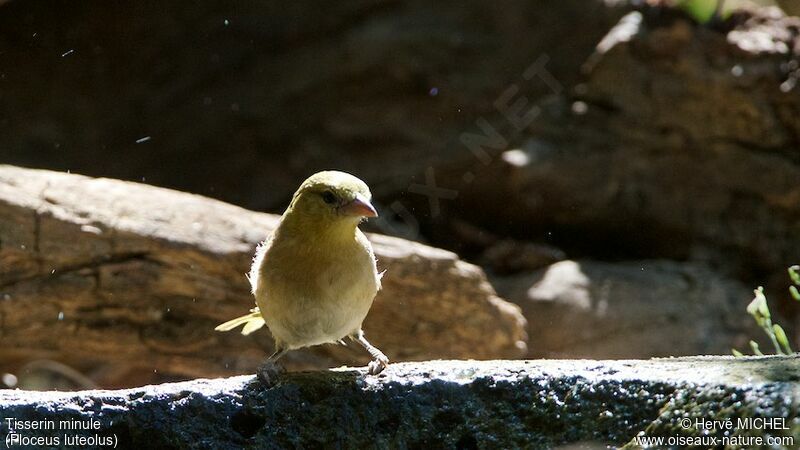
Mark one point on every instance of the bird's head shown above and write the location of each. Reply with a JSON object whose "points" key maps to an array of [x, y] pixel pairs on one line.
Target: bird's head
{"points": [[333, 196]]}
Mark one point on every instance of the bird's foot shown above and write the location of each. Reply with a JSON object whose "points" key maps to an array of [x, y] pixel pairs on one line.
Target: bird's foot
{"points": [[377, 365], [379, 360], [269, 373]]}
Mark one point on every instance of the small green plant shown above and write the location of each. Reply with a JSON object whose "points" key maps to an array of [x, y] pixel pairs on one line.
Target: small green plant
{"points": [[759, 309], [704, 10]]}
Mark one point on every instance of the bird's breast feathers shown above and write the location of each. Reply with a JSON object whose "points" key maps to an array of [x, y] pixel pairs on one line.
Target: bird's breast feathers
{"points": [[311, 294], [316, 271]]}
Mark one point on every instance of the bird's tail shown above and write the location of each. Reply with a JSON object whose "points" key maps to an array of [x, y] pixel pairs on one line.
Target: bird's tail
{"points": [[251, 322]]}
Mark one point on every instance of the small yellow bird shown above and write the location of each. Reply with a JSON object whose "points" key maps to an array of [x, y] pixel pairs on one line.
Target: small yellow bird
{"points": [[315, 277]]}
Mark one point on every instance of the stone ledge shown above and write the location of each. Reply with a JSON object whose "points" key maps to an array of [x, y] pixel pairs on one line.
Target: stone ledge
{"points": [[447, 404]]}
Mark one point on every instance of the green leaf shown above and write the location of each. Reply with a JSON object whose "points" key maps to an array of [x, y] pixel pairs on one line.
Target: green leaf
{"points": [[754, 346], [701, 10], [758, 307], [737, 353], [753, 308], [763, 309], [794, 274], [780, 335], [795, 294]]}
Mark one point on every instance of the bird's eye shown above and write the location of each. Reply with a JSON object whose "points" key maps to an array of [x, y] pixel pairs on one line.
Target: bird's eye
{"points": [[329, 197]]}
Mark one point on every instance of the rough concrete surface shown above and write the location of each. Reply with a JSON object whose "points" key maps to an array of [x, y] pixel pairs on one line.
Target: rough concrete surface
{"points": [[438, 404], [441, 404]]}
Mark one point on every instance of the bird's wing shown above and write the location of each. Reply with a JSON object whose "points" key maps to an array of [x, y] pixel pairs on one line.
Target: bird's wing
{"points": [[254, 320], [258, 259], [251, 322]]}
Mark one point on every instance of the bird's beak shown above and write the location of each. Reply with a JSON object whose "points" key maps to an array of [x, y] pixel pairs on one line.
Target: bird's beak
{"points": [[360, 206]]}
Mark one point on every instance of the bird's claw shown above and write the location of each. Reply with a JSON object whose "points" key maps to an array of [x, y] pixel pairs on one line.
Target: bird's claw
{"points": [[269, 373], [377, 365]]}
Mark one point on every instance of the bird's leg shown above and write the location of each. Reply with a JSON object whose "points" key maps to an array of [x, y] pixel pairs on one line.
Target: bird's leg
{"points": [[277, 354], [269, 372], [379, 360]]}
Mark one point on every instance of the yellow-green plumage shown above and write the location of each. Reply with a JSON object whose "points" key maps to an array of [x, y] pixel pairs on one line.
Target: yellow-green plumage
{"points": [[314, 279]]}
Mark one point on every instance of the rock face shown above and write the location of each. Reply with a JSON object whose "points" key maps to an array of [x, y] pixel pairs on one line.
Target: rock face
{"points": [[681, 143], [586, 309], [215, 98], [445, 404], [125, 283]]}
